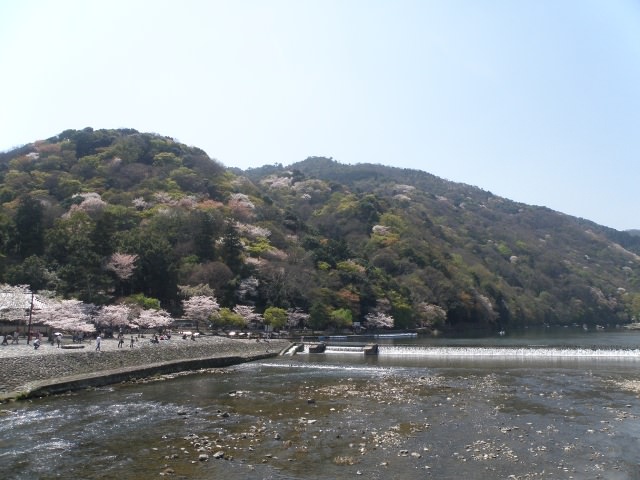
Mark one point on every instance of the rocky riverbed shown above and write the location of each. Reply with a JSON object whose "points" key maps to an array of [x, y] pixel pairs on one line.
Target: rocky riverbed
{"points": [[25, 368]]}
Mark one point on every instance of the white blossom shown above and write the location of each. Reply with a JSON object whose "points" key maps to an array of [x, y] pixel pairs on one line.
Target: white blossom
{"points": [[247, 288], [200, 308], [252, 231], [379, 320], [140, 203], [402, 197], [433, 314], [122, 264], [241, 200], [296, 318], [114, 316], [91, 202], [16, 302], [164, 198], [66, 315], [248, 314], [405, 188], [274, 181], [153, 319], [381, 230]]}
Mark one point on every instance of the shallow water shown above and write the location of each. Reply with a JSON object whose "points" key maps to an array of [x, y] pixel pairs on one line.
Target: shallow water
{"points": [[475, 408]]}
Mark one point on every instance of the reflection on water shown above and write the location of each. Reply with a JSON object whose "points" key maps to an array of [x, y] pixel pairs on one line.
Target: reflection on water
{"points": [[424, 408]]}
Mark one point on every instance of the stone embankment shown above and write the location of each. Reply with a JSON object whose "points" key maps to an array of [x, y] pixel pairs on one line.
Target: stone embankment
{"points": [[27, 372]]}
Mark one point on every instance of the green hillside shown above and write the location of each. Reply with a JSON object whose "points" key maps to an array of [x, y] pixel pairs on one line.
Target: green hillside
{"points": [[101, 215]]}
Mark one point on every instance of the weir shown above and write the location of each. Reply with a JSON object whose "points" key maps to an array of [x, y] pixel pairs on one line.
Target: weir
{"points": [[367, 349], [453, 351]]}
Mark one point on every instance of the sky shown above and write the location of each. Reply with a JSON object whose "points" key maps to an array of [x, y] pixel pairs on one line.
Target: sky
{"points": [[537, 101]]}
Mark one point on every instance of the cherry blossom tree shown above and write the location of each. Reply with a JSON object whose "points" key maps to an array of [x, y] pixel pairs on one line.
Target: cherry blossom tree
{"points": [[241, 206], [247, 288], [18, 303], [296, 318], [91, 202], [66, 315], [252, 231], [15, 302], [114, 316], [379, 320], [140, 203], [122, 264], [432, 315], [151, 318], [200, 308], [248, 314]]}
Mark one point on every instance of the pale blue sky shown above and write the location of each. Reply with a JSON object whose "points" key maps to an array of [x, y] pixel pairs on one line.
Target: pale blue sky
{"points": [[534, 100]]}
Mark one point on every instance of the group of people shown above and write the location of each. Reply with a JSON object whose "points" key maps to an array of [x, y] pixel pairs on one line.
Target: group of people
{"points": [[13, 337], [57, 338], [121, 340]]}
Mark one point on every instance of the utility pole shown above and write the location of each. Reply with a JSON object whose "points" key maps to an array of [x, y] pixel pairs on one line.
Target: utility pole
{"points": [[30, 313]]}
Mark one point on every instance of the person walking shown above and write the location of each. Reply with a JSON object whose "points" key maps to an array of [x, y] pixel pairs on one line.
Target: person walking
{"points": [[98, 340], [120, 340], [131, 344]]}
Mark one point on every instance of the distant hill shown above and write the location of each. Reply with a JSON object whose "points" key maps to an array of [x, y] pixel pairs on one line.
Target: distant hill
{"points": [[326, 238]]}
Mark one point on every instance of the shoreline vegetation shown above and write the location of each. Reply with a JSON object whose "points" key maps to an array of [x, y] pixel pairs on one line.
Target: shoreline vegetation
{"points": [[29, 373]]}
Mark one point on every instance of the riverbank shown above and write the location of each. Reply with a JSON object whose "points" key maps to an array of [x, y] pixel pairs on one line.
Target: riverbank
{"points": [[27, 372]]}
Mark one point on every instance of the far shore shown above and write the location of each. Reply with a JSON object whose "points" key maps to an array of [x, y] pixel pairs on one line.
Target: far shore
{"points": [[29, 373]]}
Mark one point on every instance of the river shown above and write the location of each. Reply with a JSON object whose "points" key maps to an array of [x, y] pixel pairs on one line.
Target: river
{"points": [[550, 403]]}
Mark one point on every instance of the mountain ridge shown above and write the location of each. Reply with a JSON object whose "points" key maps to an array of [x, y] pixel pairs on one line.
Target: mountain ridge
{"points": [[323, 237]]}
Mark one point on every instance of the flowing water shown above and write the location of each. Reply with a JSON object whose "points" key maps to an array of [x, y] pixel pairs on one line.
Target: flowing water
{"points": [[538, 404]]}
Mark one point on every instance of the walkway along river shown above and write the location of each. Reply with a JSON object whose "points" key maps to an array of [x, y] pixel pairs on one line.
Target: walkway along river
{"points": [[26, 371]]}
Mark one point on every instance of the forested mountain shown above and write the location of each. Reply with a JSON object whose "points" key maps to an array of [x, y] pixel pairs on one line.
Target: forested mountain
{"points": [[106, 214]]}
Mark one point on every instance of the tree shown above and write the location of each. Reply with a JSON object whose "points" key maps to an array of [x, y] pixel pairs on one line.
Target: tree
{"points": [[142, 302], [188, 291], [228, 318], [158, 319], [33, 271], [15, 302], [319, 316], [296, 318], [379, 320], [205, 228], [231, 249], [66, 315], [200, 308], [275, 317], [341, 317], [248, 314], [69, 246], [113, 317], [247, 289], [122, 265], [29, 233], [156, 267], [432, 315]]}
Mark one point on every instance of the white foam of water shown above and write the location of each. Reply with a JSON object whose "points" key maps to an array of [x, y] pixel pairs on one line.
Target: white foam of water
{"points": [[501, 352], [344, 349]]}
